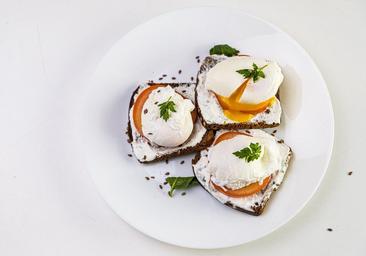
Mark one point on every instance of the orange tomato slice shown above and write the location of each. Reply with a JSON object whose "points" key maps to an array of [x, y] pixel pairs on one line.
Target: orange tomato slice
{"points": [[245, 191], [228, 136], [139, 104]]}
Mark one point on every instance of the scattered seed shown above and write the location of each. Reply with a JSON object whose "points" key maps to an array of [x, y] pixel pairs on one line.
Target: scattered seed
{"points": [[350, 173], [197, 57], [167, 161], [247, 131], [145, 111], [267, 111], [330, 229], [256, 203], [274, 131], [180, 71], [160, 78], [192, 78], [184, 91], [144, 157], [152, 177], [167, 173], [150, 133], [160, 186], [280, 141], [198, 60], [173, 78], [182, 162], [158, 91], [165, 183], [147, 178], [156, 103], [164, 75], [130, 155], [183, 193]]}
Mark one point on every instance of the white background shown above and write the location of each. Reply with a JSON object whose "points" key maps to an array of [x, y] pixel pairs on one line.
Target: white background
{"points": [[48, 202]]}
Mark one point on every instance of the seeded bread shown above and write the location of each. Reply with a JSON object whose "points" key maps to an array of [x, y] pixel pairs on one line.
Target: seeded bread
{"points": [[253, 204], [146, 152], [211, 113]]}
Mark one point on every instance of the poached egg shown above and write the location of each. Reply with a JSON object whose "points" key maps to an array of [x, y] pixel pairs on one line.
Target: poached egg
{"points": [[240, 97], [177, 128], [230, 171]]}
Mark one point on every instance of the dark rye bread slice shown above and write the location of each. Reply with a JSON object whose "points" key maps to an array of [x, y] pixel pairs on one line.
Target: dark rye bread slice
{"points": [[254, 204], [156, 153], [211, 113]]}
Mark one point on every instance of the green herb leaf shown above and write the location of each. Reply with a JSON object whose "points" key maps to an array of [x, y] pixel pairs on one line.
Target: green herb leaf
{"points": [[254, 73], [250, 153], [181, 183], [224, 49], [165, 109]]}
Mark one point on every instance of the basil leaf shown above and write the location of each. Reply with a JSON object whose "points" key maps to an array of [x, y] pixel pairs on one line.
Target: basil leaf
{"points": [[181, 183]]}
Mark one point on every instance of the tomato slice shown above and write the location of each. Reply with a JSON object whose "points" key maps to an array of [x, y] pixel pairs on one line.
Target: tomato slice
{"points": [[245, 191], [139, 104], [228, 136]]}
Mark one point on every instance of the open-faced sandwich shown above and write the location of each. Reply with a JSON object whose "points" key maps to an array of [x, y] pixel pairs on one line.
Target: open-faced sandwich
{"points": [[163, 122], [242, 168], [238, 91]]}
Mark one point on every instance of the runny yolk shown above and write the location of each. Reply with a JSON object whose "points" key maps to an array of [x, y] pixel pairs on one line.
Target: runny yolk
{"points": [[241, 112]]}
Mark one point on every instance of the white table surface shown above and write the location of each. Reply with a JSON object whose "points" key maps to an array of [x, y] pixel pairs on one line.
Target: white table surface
{"points": [[48, 202]]}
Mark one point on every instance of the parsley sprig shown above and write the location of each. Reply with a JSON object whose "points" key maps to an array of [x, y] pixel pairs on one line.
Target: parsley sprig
{"points": [[165, 109], [250, 153], [254, 73]]}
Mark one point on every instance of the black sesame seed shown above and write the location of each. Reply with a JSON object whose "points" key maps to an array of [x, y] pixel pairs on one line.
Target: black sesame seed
{"points": [[274, 131], [166, 161], [158, 91], [256, 203], [267, 111], [165, 183], [280, 141], [198, 60], [160, 186], [330, 229], [145, 111], [147, 178], [197, 57], [167, 173], [130, 155], [152, 177], [160, 78], [183, 193], [180, 71], [192, 78], [150, 133], [156, 103], [184, 91], [173, 78], [182, 162], [144, 157], [350, 173], [164, 75]]}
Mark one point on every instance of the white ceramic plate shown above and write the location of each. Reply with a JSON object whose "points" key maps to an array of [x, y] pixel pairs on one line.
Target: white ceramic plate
{"points": [[165, 45]]}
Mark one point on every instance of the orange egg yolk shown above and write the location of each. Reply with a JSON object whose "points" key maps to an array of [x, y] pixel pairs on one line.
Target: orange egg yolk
{"points": [[241, 112]]}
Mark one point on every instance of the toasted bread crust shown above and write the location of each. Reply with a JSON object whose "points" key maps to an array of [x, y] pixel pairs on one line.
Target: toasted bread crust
{"points": [[206, 141]]}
